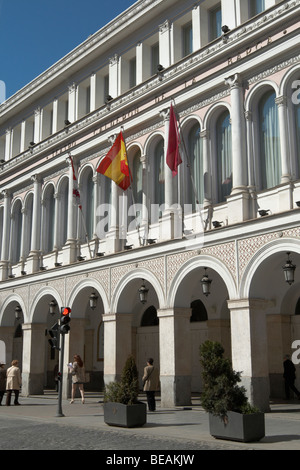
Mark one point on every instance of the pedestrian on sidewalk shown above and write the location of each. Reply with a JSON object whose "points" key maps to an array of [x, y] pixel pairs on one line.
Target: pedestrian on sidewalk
{"points": [[150, 382], [289, 376], [2, 381], [13, 382], [78, 377]]}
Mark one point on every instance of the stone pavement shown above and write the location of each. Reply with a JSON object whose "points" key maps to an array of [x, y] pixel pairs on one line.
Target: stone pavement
{"points": [[186, 426]]}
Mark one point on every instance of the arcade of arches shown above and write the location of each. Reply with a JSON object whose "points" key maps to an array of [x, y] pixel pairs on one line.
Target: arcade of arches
{"points": [[255, 330]]}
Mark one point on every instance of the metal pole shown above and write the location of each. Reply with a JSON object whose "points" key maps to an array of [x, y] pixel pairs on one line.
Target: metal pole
{"points": [[60, 375]]}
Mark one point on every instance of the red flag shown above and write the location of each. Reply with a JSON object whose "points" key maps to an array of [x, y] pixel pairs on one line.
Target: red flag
{"points": [[173, 155], [76, 193], [115, 164]]}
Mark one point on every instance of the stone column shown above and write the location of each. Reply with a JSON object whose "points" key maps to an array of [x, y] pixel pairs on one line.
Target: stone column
{"points": [[72, 102], [70, 248], [250, 348], [281, 102], [37, 126], [169, 222], [5, 236], [145, 214], [238, 202], [117, 344], [239, 149], [114, 76], [113, 241], [8, 144], [33, 359], [175, 356], [165, 44], [33, 262]]}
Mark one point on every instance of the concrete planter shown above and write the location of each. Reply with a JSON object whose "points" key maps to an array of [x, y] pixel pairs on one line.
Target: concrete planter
{"points": [[239, 427], [126, 416]]}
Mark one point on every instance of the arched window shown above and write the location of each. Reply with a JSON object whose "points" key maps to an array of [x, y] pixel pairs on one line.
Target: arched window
{"points": [[224, 156], [64, 190], [104, 209], [150, 317], [87, 200], [28, 225], [48, 220], [196, 166], [199, 312], [135, 212], [159, 175], [270, 163], [16, 232]]}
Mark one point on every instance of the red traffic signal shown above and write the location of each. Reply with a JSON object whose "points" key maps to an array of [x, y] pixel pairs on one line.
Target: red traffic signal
{"points": [[65, 320], [66, 311]]}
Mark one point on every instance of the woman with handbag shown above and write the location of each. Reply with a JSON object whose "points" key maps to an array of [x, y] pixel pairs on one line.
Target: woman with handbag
{"points": [[78, 377], [150, 382]]}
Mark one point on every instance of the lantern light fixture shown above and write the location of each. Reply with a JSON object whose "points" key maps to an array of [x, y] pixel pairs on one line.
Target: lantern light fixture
{"points": [[143, 293], [205, 283], [289, 270], [93, 300], [52, 307]]}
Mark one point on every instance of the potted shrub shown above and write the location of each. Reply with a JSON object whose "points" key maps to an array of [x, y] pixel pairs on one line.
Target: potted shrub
{"points": [[121, 405], [230, 414]]}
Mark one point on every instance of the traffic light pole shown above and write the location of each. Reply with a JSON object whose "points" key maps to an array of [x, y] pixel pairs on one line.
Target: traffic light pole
{"points": [[60, 375]]}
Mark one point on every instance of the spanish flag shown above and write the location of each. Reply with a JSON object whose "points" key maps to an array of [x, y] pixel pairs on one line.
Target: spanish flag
{"points": [[115, 164]]}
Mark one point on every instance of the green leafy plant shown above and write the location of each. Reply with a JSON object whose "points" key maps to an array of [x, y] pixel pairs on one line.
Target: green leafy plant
{"points": [[221, 391], [126, 391]]}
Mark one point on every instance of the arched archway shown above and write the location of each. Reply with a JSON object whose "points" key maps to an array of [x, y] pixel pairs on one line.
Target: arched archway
{"points": [[123, 333], [264, 280]]}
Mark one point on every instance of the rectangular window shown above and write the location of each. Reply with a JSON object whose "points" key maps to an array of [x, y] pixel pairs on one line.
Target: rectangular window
{"points": [[154, 58], [106, 87], [256, 7], [187, 39], [132, 73], [215, 22]]}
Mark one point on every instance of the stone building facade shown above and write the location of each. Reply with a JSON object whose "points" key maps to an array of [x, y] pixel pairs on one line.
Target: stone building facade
{"points": [[232, 71]]}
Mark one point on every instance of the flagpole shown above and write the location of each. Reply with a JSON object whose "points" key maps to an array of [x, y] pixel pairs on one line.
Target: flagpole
{"points": [[137, 225], [189, 166], [80, 210]]}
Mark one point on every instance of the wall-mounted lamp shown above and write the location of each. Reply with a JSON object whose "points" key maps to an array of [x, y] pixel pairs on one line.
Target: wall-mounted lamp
{"points": [[18, 312], [205, 283], [52, 307], [143, 293], [289, 270], [93, 300]]}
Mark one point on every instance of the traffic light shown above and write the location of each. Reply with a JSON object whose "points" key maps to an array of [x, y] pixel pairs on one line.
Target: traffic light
{"points": [[65, 320], [54, 334]]}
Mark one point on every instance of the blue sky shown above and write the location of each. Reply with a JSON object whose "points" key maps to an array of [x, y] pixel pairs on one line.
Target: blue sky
{"points": [[34, 34]]}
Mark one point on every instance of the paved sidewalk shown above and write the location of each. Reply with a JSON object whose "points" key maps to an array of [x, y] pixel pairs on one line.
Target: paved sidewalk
{"points": [[180, 423]]}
